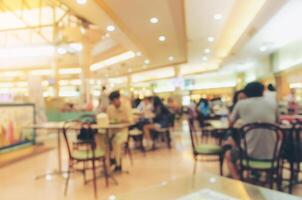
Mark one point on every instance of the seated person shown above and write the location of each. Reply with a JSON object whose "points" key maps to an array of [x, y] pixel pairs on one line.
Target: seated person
{"points": [[118, 112], [145, 108], [253, 109], [161, 119]]}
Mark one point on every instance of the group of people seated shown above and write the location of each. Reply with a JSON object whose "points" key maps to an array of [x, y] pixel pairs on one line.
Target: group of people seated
{"points": [[152, 116], [252, 104]]}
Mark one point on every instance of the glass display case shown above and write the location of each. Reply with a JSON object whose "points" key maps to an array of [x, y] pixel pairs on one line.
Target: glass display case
{"points": [[14, 119]]}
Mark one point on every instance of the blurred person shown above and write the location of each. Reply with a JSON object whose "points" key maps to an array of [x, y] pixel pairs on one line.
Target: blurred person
{"points": [[145, 107], [292, 103], [204, 111], [238, 95], [103, 101], [270, 94], [174, 109], [161, 119], [119, 111], [253, 109]]}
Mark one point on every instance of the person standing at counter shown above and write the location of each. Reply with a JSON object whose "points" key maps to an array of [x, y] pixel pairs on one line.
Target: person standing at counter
{"points": [[103, 101], [119, 111]]}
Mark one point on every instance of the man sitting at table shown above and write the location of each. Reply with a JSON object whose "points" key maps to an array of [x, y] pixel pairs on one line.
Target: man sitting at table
{"points": [[119, 111], [253, 109]]}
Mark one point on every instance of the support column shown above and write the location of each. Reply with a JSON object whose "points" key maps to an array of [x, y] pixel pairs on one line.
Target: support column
{"points": [[282, 86], [240, 80], [178, 85], [85, 61], [55, 76]]}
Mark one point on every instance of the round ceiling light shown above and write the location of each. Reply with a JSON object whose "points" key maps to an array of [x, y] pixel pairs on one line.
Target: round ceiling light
{"points": [[207, 51], [138, 53], [110, 28], [263, 48], [81, 2], [154, 20], [162, 38], [211, 39], [170, 58], [147, 62], [61, 51], [218, 16], [204, 58]]}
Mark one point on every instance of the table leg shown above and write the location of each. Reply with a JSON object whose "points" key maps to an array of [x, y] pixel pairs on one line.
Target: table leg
{"points": [[59, 152], [59, 171]]}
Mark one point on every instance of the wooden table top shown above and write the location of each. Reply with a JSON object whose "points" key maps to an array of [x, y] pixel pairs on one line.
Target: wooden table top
{"points": [[205, 187]]}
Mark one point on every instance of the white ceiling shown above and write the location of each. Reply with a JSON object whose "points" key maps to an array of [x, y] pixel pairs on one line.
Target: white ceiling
{"points": [[201, 25], [187, 24]]}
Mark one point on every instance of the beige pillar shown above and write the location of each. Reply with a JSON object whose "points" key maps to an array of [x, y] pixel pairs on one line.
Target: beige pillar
{"points": [[85, 61], [240, 80], [55, 75], [178, 90], [282, 86]]}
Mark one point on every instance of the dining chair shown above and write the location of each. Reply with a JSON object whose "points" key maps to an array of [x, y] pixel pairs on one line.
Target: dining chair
{"points": [[84, 159], [163, 134], [202, 149], [250, 164], [296, 157]]}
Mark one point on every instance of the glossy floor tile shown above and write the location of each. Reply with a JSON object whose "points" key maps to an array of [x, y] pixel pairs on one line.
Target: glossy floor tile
{"points": [[17, 181]]}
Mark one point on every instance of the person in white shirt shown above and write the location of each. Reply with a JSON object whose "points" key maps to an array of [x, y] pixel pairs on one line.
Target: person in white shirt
{"points": [[145, 107], [271, 95]]}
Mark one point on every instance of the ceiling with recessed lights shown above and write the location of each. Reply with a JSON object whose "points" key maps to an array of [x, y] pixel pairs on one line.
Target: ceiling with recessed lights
{"points": [[135, 36]]}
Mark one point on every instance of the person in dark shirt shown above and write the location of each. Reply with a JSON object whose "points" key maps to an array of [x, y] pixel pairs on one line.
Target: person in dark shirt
{"points": [[161, 118]]}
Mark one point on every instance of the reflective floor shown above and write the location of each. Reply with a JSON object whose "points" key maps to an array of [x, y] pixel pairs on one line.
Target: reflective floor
{"points": [[18, 179]]}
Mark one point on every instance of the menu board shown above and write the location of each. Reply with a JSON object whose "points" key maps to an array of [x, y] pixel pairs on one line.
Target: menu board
{"points": [[13, 119], [207, 194]]}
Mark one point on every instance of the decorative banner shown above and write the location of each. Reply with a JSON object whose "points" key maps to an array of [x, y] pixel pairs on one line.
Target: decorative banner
{"points": [[13, 119]]}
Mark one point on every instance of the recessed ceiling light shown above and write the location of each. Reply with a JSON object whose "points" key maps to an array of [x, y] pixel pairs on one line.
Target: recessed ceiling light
{"points": [[110, 28], [138, 53], [82, 2], [263, 48], [207, 51], [218, 16], [147, 62], [154, 20], [211, 39], [170, 58], [61, 51], [204, 58], [162, 38]]}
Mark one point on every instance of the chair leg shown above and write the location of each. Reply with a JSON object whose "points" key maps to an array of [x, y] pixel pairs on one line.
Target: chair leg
{"points": [[221, 158], [105, 172], [67, 179], [141, 142], [195, 166], [270, 175], [169, 139], [94, 179], [129, 152], [292, 176], [84, 173]]}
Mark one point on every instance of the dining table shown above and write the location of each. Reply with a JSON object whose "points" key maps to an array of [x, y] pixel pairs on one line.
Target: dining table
{"points": [[204, 186], [57, 127]]}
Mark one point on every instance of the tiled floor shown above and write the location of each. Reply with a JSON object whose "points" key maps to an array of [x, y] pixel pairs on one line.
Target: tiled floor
{"points": [[17, 180]]}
